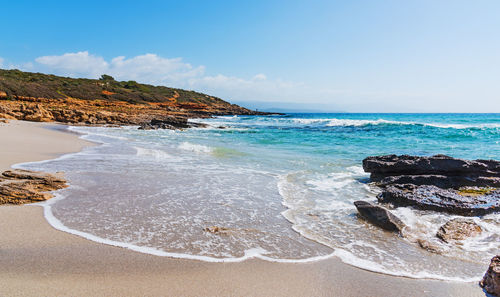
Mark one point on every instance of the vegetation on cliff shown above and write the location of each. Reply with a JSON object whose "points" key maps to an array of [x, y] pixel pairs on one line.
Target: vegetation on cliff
{"points": [[28, 84], [44, 97]]}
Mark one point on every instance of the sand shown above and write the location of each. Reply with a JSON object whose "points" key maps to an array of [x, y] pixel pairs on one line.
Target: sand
{"points": [[38, 260]]}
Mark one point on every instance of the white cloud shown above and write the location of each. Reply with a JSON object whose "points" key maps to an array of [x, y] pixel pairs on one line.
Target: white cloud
{"points": [[174, 72], [75, 64], [258, 88], [153, 69]]}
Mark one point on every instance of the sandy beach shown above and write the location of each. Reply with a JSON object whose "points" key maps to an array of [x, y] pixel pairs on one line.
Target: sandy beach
{"points": [[38, 260]]}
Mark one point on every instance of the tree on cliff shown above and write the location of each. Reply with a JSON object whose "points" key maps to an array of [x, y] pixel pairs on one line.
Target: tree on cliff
{"points": [[106, 77]]}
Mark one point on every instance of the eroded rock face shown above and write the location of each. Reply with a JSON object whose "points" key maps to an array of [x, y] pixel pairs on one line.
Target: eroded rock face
{"points": [[379, 216], [458, 229], [453, 201], [491, 279], [36, 113], [24, 186]]}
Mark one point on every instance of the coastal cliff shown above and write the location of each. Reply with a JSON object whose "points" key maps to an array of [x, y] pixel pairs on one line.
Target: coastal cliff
{"points": [[44, 98]]}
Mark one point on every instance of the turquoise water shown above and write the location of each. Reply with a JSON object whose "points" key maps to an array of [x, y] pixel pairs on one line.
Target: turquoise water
{"points": [[280, 187]]}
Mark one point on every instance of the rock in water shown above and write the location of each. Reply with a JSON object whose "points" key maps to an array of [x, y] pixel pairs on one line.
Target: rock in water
{"points": [[458, 229], [393, 165], [379, 216], [439, 183], [491, 279], [170, 122], [24, 186]]}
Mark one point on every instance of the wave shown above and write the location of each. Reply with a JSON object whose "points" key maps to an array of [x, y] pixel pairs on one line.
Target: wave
{"points": [[359, 123], [255, 253], [156, 154], [299, 208], [196, 148]]}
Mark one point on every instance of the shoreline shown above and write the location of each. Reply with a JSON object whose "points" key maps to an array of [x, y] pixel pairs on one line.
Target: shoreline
{"points": [[40, 260]]}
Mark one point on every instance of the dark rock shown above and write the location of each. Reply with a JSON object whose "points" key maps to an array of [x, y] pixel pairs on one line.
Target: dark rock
{"points": [[393, 165], [441, 181], [458, 229], [491, 279], [169, 122], [444, 200], [379, 216]]}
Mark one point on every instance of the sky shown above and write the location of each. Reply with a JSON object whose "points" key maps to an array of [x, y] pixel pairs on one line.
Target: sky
{"points": [[352, 56]]}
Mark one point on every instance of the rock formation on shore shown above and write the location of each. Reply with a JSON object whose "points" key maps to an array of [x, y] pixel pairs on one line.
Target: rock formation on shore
{"points": [[170, 123], [24, 186], [439, 183], [46, 98], [491, 279]]}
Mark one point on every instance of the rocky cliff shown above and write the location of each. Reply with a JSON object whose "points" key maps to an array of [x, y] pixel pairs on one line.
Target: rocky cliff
{"points": [[44, 98]]}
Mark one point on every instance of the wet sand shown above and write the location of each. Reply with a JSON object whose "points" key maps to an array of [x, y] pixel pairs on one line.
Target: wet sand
{"points": [[37, 260]]}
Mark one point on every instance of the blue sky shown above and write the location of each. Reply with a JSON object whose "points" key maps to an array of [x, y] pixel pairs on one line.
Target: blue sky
{"points": [[357, 56]]}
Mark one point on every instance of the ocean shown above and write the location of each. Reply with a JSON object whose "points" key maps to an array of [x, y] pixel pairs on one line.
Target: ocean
{"points": [[279, 188]]}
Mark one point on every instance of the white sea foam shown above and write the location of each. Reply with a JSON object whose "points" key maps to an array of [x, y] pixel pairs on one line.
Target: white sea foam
{"points": [[196, 148], [359, 123], [462, 126], [153, 153], [310, 121], [258, 253]]}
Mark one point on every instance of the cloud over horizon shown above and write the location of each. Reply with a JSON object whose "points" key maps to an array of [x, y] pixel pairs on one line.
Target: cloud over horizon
{"points": [[174, 72]]}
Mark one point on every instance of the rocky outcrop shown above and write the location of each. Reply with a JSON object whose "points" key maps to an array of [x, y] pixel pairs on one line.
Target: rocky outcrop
{"points": [[379, 216], [24, 186], [44, 98], [169, 122], [439, 183], [458, 229], [393, 165], [491, 279], [36, 113], [435, 170], [462, 202]]}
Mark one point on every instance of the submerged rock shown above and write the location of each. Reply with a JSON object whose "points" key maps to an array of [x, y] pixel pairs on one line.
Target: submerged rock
{"points": [[379, 216], [491, 279], [445, 200], [458, 229], [24, 186], [217, 230], [430, 246]]}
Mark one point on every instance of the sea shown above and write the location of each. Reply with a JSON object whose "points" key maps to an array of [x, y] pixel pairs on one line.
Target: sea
{"points": [[279, 188]]}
